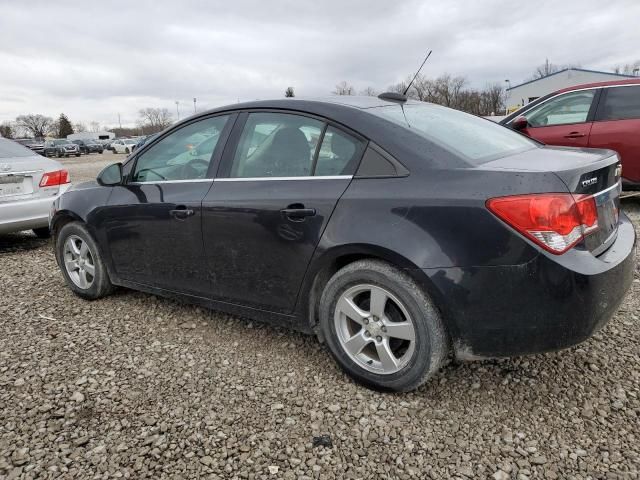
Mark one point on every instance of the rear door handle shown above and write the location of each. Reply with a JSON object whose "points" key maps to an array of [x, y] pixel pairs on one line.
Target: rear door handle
{"points": [[181, 212], [297, 212], [575, 135]]}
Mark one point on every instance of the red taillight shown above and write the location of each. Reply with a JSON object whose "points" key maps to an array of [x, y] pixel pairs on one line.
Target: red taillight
{"points": [[53, 179], [555, 221]]}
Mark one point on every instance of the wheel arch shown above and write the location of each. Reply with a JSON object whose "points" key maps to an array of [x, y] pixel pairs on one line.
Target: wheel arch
{"points": [[332, 260]]}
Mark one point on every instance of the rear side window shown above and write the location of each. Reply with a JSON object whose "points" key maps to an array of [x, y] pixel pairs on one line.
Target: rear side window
{"points": [[475, 139], [620, 103], [339, 153], [9, 148]]}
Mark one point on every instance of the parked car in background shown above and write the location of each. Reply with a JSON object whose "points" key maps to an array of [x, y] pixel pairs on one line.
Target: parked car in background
{"points": [[29, 184], [89, 146], [595, 115], [395, 230], [60, 148], [143, 140], [123, 145], [34, 144]]}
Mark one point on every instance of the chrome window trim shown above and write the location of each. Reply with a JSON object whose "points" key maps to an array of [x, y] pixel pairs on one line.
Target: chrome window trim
{"points": [[194, 180], [271, 179], [618, 184]]}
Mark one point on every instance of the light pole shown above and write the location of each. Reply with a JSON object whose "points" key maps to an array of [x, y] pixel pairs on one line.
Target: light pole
{"points": [[178, 109], [194, 104], [508, 87]]}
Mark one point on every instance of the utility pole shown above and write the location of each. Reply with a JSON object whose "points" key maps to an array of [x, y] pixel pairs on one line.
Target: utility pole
{"points": [[194, 104], [178, 109], [119, 122]]}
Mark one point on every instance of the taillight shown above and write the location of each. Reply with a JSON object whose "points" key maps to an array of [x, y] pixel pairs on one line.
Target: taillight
{"points": [[53, 179], [555, 221]]}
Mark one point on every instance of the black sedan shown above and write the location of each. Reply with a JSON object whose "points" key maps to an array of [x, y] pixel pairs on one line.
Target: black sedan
{"points": [[89, 146], [394, 230]]}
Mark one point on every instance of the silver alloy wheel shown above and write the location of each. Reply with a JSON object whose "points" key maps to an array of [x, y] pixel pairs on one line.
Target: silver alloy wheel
{"points": [[375, 329], [78, 261]]}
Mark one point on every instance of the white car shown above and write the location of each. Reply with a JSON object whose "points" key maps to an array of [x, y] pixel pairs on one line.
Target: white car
{"points": [[124, 145], [29, 183]]}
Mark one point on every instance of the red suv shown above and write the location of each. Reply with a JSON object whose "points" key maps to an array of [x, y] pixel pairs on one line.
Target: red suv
{"points": [[596, 115]]}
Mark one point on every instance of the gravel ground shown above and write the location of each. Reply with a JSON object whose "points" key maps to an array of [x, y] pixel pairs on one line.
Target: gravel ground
{"points": [[136, 386]]}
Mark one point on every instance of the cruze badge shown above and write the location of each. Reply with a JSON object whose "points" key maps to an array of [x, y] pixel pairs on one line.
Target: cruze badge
{"points": [[590, 181]]}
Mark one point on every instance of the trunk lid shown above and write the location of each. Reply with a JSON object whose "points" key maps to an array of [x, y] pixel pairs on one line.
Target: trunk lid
{"points": [[585, 172]]}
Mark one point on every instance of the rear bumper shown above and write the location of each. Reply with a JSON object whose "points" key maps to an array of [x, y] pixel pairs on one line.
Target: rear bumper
{"points": [[549, 303], [28, 214]]}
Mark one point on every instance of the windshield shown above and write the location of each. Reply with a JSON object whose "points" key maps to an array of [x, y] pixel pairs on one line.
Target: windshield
{"points": [[61, 142], [9, 148], [129, 141], [474, 138]]}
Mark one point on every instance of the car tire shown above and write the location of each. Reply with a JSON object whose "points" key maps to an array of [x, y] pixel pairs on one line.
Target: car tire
{"points": [[407, 311], [77, 154], [78, 275], [42, 232], [126, 150], [59, 155]]}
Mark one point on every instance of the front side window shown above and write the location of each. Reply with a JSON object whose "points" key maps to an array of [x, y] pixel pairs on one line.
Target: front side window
{"points": [[184, 154], [276, 145], [621, 103], [572, 107], [475, 139]]}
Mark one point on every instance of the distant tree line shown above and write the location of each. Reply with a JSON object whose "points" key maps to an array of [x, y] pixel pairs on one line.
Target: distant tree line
{"points": [[446, 90], [150, 120]]}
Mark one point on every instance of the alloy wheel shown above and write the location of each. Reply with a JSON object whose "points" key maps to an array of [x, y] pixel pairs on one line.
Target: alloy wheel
{"points": [[375, 329], [79, 262]]}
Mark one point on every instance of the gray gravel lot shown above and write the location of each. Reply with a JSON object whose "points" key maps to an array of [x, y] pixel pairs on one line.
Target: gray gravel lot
{"points": [[135, 386]]}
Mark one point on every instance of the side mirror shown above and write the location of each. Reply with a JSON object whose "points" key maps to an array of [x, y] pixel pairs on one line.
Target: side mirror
{"points": [[520, 123], [110, 175]]}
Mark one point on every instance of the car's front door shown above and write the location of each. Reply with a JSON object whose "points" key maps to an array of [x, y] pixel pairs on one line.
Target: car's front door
{"points": [[563, 120], [153, 222], [277, 188]]}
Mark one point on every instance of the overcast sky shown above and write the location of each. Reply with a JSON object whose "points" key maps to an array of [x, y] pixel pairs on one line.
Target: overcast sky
{"points": [[95, 59]]}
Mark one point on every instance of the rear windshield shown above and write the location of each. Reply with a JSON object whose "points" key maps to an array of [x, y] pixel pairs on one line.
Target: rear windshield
{"points": [[476, 139], [9, 148]]}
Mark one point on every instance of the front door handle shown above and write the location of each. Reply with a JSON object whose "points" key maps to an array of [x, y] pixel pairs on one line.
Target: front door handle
{"points": [[181, 212], [575, 135], [297, 212]]}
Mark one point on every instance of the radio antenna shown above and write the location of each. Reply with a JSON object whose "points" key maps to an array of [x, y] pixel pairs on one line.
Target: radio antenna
{"points": [[416, 75]]}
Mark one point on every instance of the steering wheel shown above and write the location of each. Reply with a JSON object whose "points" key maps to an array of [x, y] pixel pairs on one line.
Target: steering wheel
{"points": [[188, 168]]}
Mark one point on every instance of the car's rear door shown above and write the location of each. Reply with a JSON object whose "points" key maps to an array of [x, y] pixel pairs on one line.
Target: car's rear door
{"points": [[153, 221], [280, 179], [617, 126], [563, 120]]}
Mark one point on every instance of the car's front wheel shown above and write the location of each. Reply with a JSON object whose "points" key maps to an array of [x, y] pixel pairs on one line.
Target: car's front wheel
{"points": [[81, 262], [381, 327]]}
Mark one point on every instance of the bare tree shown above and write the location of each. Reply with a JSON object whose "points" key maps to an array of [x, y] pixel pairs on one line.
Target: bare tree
{"points": [[79, 127], [628, 69], [548, 68], [369, 92], [343, 88], [289, 93], [94, 126], [36, 125], [493, 99], [154, 120]]}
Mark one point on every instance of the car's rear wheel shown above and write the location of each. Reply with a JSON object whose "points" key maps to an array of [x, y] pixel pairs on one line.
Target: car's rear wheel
{"points": [[42, 232], [126, 150], [381, 327], [81, 263]]}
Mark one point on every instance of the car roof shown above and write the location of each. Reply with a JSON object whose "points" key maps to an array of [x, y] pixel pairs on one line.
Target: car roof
{"points": [[633, 81]]}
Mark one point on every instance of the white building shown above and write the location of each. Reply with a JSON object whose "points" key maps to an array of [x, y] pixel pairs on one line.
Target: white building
{"points": [[520, 95], [92, 136]]}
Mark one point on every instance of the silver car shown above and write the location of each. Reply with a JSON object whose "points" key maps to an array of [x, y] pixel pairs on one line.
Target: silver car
{"points": [[29, 183]]}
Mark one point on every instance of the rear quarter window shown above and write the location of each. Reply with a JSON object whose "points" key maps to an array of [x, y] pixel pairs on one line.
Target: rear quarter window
{"points": [[474, 139]]}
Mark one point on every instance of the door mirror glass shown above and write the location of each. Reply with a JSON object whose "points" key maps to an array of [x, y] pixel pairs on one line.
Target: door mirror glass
{"points": [[111, 175], [520, 123]]}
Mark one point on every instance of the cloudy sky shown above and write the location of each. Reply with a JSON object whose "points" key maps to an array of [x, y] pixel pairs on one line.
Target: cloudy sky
{"points": [[95, 59]]}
